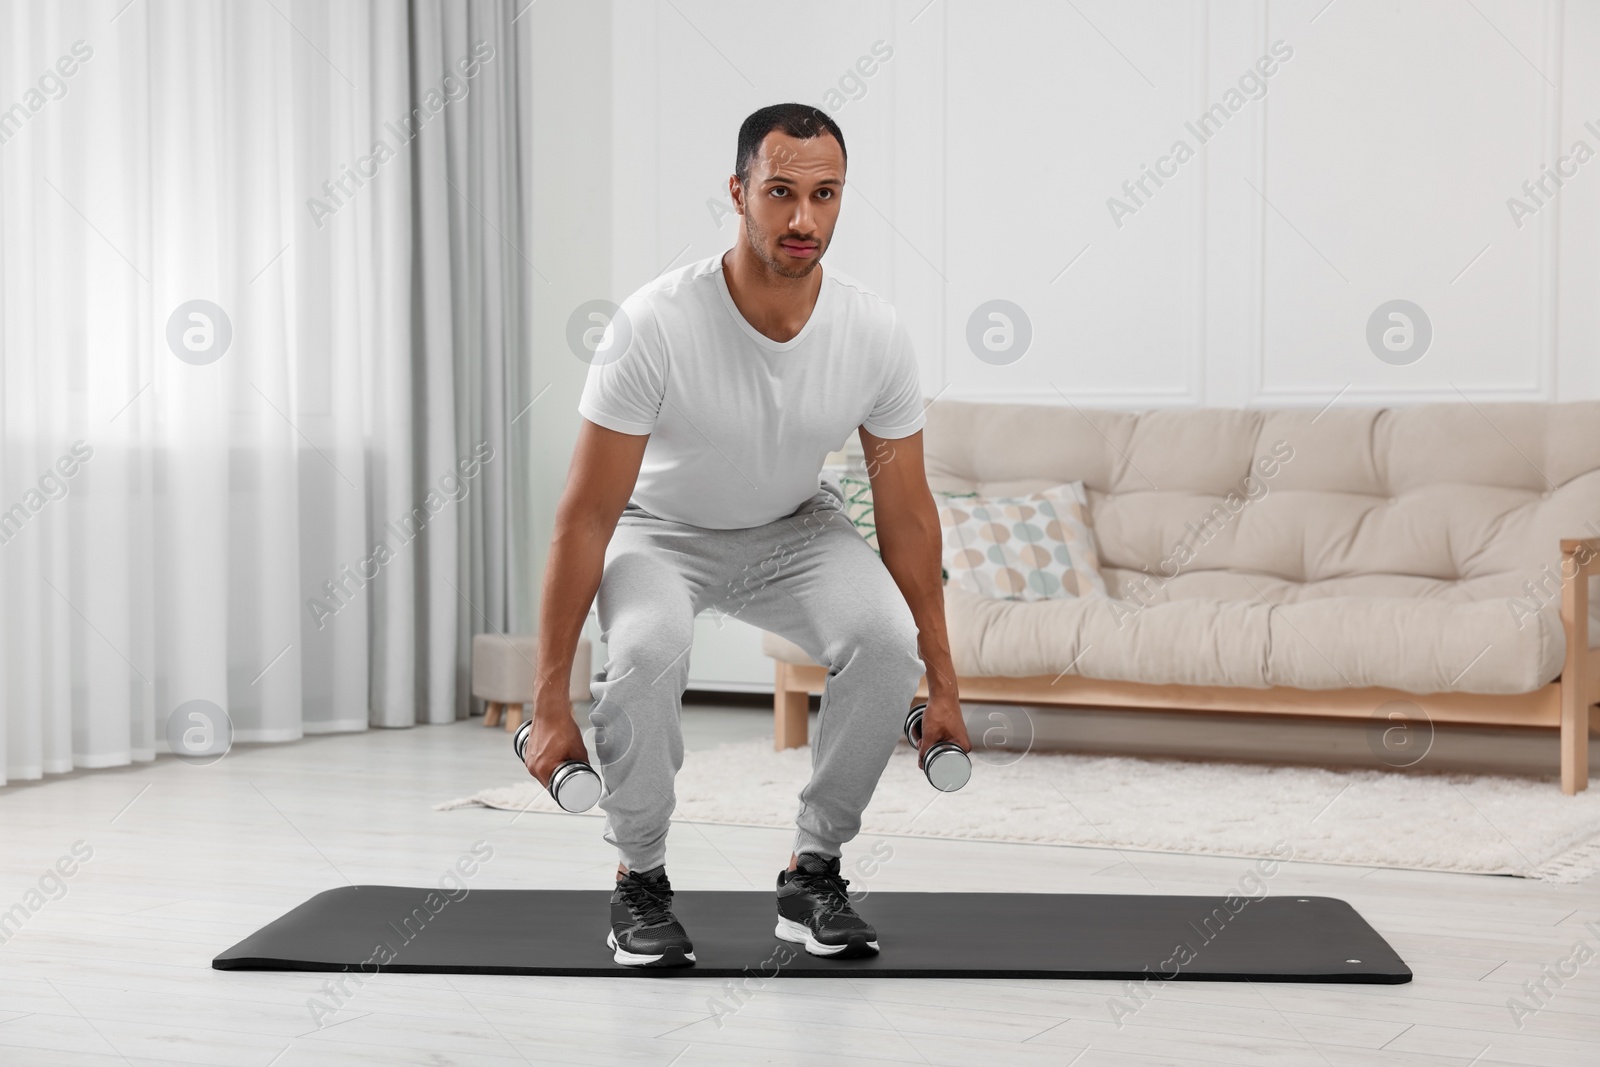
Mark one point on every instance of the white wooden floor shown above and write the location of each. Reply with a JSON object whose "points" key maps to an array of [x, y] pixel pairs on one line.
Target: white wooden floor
{"points": [[187, 860]]}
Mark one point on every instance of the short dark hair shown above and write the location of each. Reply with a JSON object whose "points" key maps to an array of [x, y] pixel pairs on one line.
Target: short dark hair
{"points": [[797, 120]]}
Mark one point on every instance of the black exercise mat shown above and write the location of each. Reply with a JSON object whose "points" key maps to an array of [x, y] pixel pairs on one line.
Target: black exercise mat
{"points": [[924, 935]]}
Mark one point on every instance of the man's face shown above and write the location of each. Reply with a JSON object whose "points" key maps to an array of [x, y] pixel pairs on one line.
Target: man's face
{"points": [[791, 202]]}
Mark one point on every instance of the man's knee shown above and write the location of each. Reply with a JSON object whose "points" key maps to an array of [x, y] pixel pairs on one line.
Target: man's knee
{"points": [[887, 645], [648, 656], [637, 695]]}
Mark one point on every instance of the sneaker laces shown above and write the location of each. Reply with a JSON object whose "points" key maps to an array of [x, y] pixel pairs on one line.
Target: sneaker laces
{"points": [[832, 889], [650, 903]]}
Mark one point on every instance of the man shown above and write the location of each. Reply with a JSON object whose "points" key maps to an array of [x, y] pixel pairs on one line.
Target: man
{"points": [[711, 406]]}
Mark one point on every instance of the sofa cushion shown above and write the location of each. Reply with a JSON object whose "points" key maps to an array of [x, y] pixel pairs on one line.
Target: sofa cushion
{"points": [[784, 650], [1413, 644], [1419, 646], [1450, 491]]}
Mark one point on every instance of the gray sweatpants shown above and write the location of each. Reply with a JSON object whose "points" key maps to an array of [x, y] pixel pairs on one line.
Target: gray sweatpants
{"points": [[808, 577]]}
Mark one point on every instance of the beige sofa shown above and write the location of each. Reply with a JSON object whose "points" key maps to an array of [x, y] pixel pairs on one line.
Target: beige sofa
{"points": [[1290, 561]]}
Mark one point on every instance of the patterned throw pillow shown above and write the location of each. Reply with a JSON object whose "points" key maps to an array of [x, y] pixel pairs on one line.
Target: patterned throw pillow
{"points": [[858, 505], [857, 491], [1033, 547]]}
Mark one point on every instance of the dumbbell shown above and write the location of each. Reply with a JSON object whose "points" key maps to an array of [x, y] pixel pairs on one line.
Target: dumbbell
{"points": [[946, 766], [573, 783]]}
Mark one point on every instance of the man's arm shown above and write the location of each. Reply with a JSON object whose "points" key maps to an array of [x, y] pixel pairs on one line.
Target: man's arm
{"points": [[909, 541], [605, 466]]}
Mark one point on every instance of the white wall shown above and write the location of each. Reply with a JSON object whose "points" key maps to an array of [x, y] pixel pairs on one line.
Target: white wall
{"points": [[1377, 165], [567, 86]]}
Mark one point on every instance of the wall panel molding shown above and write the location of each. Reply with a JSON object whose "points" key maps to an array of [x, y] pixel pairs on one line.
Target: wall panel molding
{"points": [[1239, 319]]}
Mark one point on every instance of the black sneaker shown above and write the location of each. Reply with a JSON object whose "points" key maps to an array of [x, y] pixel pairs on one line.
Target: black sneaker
{"points": [[814, 909], [644, 932]]}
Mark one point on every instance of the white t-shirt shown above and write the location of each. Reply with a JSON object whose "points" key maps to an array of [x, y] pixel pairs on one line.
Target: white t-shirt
{"points": [[740, 425]]}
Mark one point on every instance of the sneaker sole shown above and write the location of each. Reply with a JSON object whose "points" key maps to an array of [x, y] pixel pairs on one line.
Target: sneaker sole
{"points": [[789, 930], [641, 959]]}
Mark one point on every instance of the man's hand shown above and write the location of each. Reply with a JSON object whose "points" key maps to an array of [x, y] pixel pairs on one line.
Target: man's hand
{"points": [[555, 737], [941, 721]]}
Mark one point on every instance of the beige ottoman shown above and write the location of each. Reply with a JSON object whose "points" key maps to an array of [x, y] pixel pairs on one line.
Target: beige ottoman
{"points": [[503, 674]]}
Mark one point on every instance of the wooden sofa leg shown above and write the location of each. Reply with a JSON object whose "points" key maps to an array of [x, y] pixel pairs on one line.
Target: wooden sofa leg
{"points": [[791, 711], [492, 712], [1574, 744], [1578, 561]]}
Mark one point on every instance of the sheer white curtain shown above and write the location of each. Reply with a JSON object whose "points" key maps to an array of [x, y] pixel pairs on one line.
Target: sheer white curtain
{"points": [[275, 529]]}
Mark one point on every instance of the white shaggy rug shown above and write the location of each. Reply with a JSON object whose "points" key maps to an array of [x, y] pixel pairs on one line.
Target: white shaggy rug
{"points": [[1436, 822]]}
